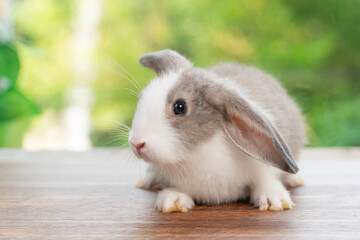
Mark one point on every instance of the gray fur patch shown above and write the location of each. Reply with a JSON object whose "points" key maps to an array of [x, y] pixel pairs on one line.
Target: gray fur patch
{"points": [[211, 107], [202, 120], [164, 61]]}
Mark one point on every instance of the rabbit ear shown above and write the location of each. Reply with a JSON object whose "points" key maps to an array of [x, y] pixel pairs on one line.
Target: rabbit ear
{"points": [[164, 61], [252, 132]]}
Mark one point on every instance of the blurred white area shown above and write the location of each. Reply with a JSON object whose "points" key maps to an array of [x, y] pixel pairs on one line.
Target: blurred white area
{"points": [[6, 25], [48, 133], [72, 131]]}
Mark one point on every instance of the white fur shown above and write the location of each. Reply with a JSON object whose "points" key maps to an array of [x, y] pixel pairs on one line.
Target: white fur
{"points": [[150, 124], [213, 175], [169, 198]]}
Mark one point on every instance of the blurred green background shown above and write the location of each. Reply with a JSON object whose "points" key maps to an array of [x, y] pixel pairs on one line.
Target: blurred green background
{"points": [[312, 47]]}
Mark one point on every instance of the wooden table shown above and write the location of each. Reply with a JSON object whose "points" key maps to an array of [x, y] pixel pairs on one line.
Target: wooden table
{"points": [[92, 195]]}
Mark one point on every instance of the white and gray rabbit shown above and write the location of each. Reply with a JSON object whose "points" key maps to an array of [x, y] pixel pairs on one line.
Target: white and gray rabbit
{"points": [[216, 135]]}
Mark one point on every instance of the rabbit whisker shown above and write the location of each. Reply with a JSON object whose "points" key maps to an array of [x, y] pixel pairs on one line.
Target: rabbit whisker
{"points": [[131, 81], [128, 73]]}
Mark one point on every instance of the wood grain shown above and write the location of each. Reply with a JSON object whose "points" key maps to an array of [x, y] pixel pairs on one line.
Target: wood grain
{"points": [[91, 195]]}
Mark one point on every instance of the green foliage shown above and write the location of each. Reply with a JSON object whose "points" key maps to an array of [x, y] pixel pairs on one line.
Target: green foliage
{"points": [[310, 46], [15, 108], [9, 67]]}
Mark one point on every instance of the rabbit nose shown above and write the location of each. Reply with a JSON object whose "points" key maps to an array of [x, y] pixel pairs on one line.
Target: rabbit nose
{"points": [[139, 146]]}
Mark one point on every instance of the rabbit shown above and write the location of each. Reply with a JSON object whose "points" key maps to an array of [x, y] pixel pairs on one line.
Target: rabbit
{"points": [[216, 135]]}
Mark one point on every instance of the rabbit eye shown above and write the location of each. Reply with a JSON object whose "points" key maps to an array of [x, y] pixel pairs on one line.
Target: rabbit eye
{"points": [[179, 107]]}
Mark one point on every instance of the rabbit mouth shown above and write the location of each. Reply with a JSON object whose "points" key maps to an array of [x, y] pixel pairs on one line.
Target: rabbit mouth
{"points": [[143, 154]]}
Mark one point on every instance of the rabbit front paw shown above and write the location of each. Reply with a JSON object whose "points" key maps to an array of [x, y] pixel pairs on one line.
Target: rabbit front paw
{"points": [[272, 199], [150, 181], [170, 200], [149, 184]]}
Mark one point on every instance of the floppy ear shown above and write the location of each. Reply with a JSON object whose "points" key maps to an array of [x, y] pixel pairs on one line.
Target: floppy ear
{"points": [[252, 132], [164, 61]]}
